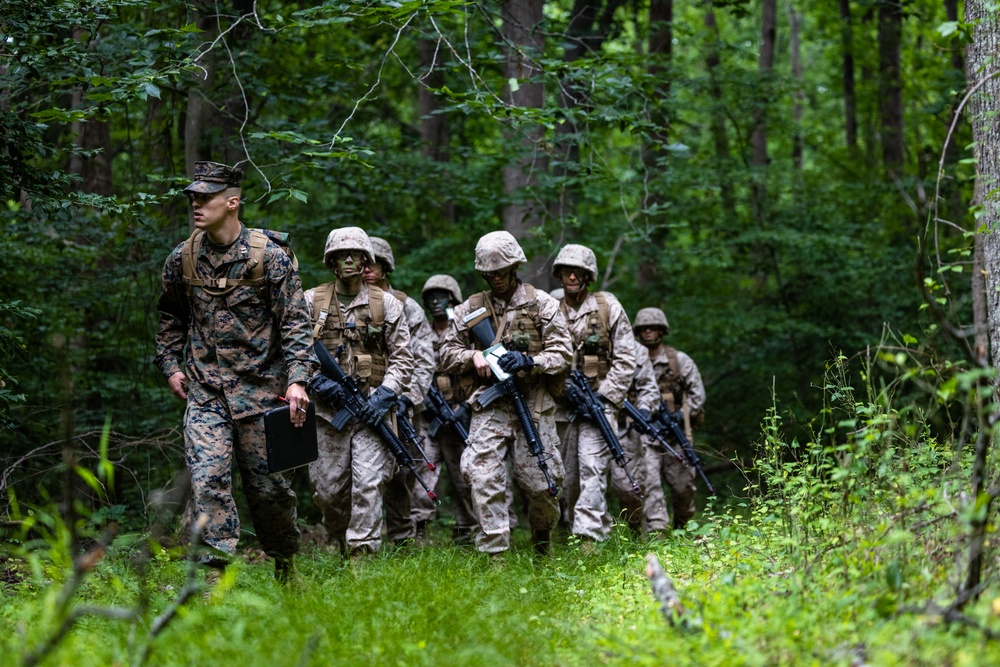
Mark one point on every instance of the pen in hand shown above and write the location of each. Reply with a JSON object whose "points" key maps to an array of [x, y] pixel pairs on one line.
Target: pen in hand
{"points": [[282, 398]]}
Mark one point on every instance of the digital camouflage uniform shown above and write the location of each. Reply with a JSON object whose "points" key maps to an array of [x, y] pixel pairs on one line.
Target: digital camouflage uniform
{"points": [[680, 386], [446, 447], [604, 350], [243, 350], [495, 432], [645, 395], [402, 490], [354, 465]]}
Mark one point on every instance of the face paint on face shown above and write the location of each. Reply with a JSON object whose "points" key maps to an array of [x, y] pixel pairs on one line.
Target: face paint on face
{"points": [[649, 336], [373, 274], [348, 263], [437, 302], [501, 282]]}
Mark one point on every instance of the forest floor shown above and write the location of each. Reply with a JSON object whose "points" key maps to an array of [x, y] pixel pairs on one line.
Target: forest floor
{"points": [[751, 598]]}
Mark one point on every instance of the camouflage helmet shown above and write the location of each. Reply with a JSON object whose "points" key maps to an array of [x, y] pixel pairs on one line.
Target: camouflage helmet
{"points": [[497, 251], [576, 256], [651, 317], [443, 282], [348, 238], [383, 253]]}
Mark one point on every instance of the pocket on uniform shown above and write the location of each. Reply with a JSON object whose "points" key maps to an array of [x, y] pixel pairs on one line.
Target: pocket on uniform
{"points": [[243, 296], [363, 365]]}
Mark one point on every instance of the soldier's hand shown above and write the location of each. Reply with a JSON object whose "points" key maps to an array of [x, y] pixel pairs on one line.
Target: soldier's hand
{"points": [[463, 415], [404, 405], [482, 366], [381, 400], [298, 401], [329, 392], [514, 362], [677, 416], [178, 385]]}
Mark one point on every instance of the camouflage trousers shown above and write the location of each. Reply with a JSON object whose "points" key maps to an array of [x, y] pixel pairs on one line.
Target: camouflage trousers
{"points": [[588, 464], [679, 478], [494, 434], [446, 448], [633, 506], [348, 479], [212, 439], [400, 491]]}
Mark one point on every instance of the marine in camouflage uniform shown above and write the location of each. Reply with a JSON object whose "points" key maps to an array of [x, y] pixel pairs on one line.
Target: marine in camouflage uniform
{"points": [[604, 351], [402, 490], [247, 345], [683, 392], [645, 395], [365, 329], [528, 322], [441, 294]]}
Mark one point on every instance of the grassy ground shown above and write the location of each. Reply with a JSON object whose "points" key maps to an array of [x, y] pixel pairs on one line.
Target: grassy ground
{"points": [[751, 601]]}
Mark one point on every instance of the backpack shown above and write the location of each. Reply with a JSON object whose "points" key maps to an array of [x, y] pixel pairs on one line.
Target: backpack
{"points": [[225, 285]]}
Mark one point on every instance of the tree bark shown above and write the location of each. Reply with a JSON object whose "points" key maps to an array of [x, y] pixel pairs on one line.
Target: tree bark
{"points": [[794, 33], [890, 32], [435, 136], [850, 95], [524, 212], [983, 108], [720, 136], [198, 109], [758, 141]]}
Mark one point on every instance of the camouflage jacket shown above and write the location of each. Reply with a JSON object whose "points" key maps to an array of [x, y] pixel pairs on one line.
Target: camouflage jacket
{"points": [[621, 355], [457, 347], [688, 386], [422, 349], [244, 346]]}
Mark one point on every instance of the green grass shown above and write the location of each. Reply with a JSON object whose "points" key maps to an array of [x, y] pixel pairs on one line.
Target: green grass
{"points": [[751, 600]]}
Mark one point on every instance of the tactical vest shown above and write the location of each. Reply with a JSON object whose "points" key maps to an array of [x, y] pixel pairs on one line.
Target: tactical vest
{"points": [[671, 390], [592, 355], [364, 351], [524, 333], [225, 285]]}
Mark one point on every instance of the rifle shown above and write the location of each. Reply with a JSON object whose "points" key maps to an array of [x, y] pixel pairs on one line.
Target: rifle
{"points": [[410, 435], [653, 429], [354, 403], [675, 428], [586, 403], [443, 414], [506, 386]]}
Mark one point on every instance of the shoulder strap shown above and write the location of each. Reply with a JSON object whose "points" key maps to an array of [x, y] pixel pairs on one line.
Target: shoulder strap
{"points": [[602, 310], [376, 305], [323, 298], [258, 243], [188, 252], [399, 294], [675, 366]]}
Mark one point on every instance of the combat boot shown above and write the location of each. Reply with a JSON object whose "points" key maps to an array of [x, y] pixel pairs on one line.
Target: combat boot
{"points": [[541, 540], [284, 570]]}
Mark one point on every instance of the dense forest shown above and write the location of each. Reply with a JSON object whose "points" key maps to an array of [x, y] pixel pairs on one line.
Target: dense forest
{"points": [[788, 183], [807, 189]]}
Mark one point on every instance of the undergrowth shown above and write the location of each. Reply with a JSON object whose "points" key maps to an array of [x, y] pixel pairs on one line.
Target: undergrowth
{"points": [[844, 550]]}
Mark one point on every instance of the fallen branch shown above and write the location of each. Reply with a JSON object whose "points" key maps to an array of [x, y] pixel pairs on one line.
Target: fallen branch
{"points": [[664, 591]]}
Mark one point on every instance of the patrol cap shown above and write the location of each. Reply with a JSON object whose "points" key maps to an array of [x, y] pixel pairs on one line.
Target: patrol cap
{"points": [[212, 177]]}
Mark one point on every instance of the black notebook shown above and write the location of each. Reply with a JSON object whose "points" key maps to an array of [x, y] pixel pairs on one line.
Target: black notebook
{"points": [[289, 447]]}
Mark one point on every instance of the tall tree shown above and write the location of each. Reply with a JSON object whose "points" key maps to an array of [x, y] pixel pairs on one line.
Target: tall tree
{"points": [[890, 35], [523, 42], [758, 140], [847, 63]]}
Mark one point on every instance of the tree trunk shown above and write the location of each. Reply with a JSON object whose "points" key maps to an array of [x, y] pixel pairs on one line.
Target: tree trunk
{"points": [[524, 212], [198, 109], [983, 108], [758, 140], [850, 95], [890, 32], [434, 133], [794, 32], [720, 136]]}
